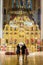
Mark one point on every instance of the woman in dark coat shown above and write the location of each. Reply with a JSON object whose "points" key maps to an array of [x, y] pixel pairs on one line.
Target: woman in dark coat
{"points": [[18, 51], [23, 50]]}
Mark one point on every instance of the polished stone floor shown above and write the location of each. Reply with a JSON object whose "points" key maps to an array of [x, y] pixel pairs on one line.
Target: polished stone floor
{"points": [[32, 59]]}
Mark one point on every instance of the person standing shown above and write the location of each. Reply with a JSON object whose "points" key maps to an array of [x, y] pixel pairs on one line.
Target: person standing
{"points": [[23, 51], [26, 52], [18, 51]]}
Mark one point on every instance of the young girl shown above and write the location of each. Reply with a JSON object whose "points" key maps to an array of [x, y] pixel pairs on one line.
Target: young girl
{"points": [[26, 52]]}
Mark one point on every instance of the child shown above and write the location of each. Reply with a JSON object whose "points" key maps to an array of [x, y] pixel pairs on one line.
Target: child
{"points": [[26, 52]]}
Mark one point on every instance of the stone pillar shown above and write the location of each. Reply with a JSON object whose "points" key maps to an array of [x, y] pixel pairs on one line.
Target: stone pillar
{"points": [[41, 19], [1, 18]]}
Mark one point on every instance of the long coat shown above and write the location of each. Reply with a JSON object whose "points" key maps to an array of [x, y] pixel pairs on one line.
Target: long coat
{"points": [[18, 49], [23, 49]]}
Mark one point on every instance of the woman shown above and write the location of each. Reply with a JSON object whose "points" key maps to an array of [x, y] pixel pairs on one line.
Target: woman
{"points": [[23, 51], [18, 51]]}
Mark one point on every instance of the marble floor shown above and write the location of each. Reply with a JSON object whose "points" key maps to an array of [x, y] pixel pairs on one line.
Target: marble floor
{"points": [[32, 59]]}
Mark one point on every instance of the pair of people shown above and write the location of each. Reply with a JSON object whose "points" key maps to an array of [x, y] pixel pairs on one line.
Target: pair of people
{"points": [[23, 49]]}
